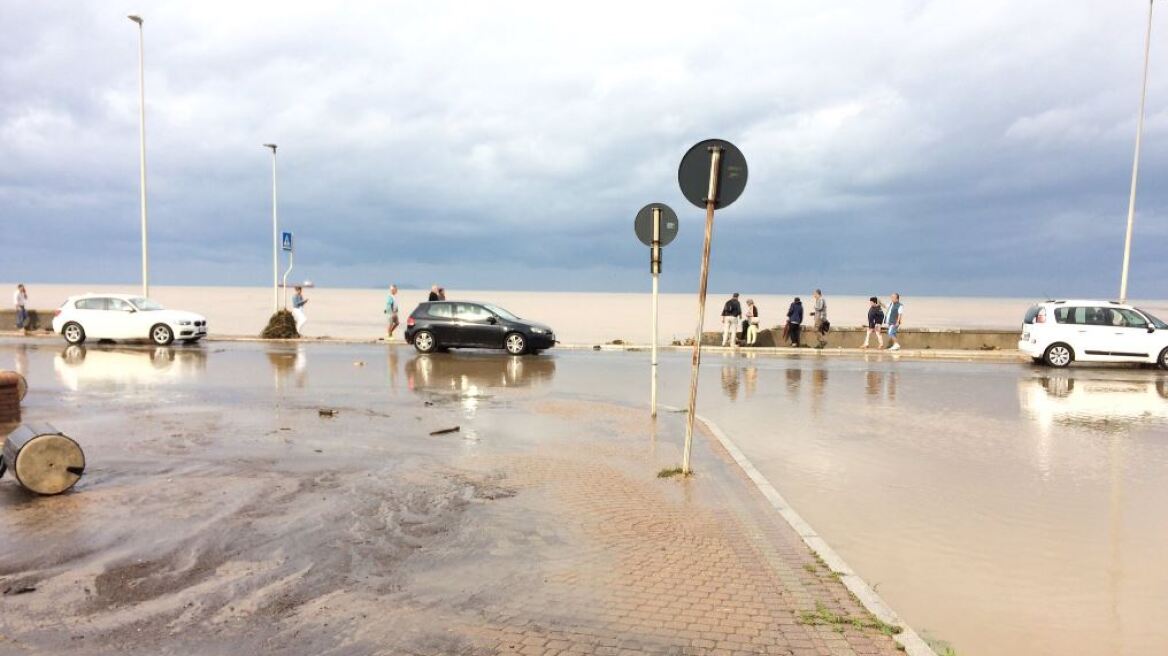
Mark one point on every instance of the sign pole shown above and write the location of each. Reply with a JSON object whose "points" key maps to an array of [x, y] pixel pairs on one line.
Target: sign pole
{"points": [[711, 201], [655, 268], [290, 255]]}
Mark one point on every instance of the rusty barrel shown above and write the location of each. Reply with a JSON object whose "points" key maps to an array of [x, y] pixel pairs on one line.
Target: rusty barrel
{"points": [[12, 390], [43, 459]]}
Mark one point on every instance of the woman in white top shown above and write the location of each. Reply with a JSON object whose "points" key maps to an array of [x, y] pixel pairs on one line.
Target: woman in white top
{"points": [[750, 318]]}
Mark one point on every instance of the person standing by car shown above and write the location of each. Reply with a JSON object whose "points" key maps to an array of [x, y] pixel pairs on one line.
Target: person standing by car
{"points": [[20, 300], [794, 321], [731, 312], [442, 293], [298, 303], [875, 320], [894, 319], [434, 296], [391, 312]]}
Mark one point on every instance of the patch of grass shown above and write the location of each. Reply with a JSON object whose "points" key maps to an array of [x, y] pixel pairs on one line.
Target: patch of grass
{"points": [[811, 568], [824, 616], [941, 647], [669, 473]]}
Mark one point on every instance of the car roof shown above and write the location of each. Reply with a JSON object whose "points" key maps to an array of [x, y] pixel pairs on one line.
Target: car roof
{"points": [[1088, 301], [101, 295]]}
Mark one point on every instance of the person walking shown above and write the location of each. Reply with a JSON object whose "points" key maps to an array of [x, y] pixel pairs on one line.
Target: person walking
{"points": [[434, 296], [875, 320], [750, 323], [20, 300], [391, 312], [298, 303], [819, 311], [731, 312], [795, 321], [894, 319]]}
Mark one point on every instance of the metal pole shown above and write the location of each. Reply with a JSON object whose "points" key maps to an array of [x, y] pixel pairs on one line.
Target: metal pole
{"points": [[275, 238], [711, 200], [142, 149], [655, 268], [290, 255], [1131, 205]]}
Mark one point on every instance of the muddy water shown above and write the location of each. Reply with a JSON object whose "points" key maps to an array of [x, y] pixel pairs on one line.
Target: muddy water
{"points": [[1001, 508]]}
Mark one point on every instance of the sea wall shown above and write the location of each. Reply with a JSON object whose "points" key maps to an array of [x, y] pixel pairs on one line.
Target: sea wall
{"points": [[37, 319], [910, 338]]}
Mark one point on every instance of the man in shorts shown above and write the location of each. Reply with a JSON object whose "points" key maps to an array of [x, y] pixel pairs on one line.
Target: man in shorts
{"points": [[391, 312], [893, 319]]}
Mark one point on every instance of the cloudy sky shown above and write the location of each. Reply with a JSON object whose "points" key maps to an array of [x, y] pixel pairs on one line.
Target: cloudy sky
{"points": [[974, 147]]}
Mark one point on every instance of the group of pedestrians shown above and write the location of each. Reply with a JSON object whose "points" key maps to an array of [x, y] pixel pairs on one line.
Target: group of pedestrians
{"points": [[393, 309], [879, 320], [740, 324]]}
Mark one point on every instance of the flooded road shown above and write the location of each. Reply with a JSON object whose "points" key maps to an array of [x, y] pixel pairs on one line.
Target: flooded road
{"points": [[1002, 508]]}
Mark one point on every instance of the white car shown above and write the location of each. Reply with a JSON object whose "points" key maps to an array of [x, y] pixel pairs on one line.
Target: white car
{"points": [[1060, 332], [125, 317]]}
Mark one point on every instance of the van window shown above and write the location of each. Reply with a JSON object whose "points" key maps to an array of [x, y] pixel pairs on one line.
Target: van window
{"points": [[440, 310], [1070, 315], [1031, 313], [1130, 318]]}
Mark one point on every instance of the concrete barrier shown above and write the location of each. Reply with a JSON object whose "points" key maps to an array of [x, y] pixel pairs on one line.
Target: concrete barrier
{"points": [[979, 339], [37, 320]]}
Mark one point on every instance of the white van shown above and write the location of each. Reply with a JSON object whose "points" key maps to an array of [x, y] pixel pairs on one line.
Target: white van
{"points": [[1060, 332]]}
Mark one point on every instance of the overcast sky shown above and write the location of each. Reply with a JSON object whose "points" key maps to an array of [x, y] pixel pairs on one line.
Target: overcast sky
{"points": [[972, 147]]}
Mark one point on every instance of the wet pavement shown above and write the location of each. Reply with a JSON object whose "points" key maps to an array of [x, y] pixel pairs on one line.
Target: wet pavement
{"points": [[222, 512]]}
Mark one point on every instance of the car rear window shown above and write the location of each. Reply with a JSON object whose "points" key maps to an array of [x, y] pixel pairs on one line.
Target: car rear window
{"points": [[440, 310], [1031, 313]]}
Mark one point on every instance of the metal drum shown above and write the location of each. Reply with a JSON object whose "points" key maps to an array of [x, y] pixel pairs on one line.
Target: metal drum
{"points": [[42, 459]]}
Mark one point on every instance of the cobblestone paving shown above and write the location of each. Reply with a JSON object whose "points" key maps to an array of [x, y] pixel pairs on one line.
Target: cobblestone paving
{"points": [[666, 566]]}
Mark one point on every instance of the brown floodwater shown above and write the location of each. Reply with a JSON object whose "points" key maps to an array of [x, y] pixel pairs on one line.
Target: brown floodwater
{"points": [[1001, 508]]}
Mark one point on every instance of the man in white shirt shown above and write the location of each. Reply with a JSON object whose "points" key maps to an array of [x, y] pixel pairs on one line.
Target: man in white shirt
{"points": [[20, 300]]}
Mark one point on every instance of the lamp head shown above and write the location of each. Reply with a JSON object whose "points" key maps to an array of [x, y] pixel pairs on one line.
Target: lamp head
{"points": [[272, 146], [136, 18]]}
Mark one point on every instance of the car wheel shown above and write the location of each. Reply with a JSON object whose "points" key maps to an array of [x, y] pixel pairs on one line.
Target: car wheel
{"points": [[73, 333], [1163, 359], [161, 334], [515, 343], [424, 341], [1058, 355]]}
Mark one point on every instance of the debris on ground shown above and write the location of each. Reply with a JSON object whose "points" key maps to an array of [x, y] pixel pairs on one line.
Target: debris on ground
{"points": [[282, 325], [444, 431], [327, 412], [24, 589]]}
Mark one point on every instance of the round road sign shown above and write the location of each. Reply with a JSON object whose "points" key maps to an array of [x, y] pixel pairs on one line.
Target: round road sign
{"points": [[694, 173], [643, 225]]}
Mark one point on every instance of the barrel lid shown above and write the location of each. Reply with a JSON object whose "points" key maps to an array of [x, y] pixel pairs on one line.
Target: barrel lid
{"points": [[49, 464]]}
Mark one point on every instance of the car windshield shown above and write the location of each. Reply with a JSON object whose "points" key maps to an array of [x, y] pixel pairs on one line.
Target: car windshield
{"points": [[145, 304], [501, 312], [1160, 325]]}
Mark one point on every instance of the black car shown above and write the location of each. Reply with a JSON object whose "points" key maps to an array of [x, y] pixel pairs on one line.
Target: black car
{"points": [[440, 325]]}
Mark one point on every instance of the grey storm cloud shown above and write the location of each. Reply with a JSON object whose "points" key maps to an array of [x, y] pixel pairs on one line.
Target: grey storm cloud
{"points": [[959, 146]]}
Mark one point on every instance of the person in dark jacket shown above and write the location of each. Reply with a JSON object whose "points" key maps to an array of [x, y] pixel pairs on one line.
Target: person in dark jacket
{"points": [[731, 311], [434, 296], [875, 320], [794, 321]]}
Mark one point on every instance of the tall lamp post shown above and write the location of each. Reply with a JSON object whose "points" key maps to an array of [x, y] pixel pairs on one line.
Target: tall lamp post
{"points": [[142, 153], [275, 238], [1131, 204]]}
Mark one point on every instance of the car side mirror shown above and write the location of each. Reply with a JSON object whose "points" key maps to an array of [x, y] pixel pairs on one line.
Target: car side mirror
{"points": [[131, 310], [492, 320], [1151, 329]]}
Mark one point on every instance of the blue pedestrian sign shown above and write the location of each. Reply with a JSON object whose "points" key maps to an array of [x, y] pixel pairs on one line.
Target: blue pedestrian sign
{"points": [[287, 242]]}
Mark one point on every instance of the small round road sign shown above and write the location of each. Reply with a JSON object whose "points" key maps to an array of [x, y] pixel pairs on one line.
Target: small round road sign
{"points": [[694, 173], [643, 224]]}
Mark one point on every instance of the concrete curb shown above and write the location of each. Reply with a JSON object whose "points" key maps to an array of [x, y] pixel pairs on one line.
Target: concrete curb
{"points": [[912, 642]]}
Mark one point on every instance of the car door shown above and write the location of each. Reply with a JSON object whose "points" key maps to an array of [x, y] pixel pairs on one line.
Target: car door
{"points": [[478, 326], [440, 320], [1097, 338], [1132, 337], [122, 320], [90, 313]]}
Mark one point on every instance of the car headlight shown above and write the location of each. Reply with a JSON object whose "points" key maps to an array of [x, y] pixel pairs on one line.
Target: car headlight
{"points": [[184, 323], [537, 330]]}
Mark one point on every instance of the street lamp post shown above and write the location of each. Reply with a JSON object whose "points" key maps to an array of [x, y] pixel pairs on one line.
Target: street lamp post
{"points": [[1131, 203], [275, 238], [142, 152]]}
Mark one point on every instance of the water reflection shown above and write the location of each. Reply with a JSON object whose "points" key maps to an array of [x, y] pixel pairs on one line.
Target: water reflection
{"points": [[880, 384], [471, 374], [1099, 404], [77, 366], [289, 365], [730, 381]]}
